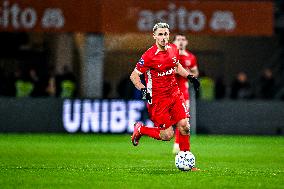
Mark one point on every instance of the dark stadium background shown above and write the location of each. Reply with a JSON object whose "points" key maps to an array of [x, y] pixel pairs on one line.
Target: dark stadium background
{"points": [[67, 105]]}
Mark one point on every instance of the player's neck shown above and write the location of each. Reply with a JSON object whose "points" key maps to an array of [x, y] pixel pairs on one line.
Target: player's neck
{"points": [[183, 52]]}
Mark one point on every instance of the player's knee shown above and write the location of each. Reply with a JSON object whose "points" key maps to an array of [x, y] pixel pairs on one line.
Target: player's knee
{"points": [[184, 127], [185, 130], [167, 135]]}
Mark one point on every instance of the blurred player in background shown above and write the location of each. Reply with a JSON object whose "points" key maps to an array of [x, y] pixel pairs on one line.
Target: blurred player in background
{"points": [[189, 63], [166, 104]]}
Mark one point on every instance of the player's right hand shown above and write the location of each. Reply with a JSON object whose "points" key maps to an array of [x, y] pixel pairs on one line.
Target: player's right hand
{"points": [[145, 94]]}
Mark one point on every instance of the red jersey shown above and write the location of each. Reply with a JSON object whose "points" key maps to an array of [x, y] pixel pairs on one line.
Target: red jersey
{"points": [[187, 61], [159, 68]]}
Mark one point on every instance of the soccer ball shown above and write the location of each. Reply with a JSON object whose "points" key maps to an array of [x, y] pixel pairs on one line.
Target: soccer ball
{"points": [[185, 161]]}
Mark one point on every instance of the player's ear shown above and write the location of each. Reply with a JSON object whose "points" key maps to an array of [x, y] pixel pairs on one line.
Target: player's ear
{"points": [[186, 42], [154, 36]]}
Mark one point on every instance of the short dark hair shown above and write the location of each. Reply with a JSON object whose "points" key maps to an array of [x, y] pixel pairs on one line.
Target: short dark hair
{"points": [[179, 34]]}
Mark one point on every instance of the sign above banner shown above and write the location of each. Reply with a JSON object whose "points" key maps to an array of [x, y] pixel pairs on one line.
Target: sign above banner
{"points": [[251, 18], [50, 16]]}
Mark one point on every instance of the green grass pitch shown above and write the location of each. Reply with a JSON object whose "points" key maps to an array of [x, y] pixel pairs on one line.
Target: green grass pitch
{"points": [[110, 161]]}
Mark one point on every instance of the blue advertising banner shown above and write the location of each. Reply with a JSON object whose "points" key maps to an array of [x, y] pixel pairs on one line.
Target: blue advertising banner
{"points": [[35, 115], [103, 116]]}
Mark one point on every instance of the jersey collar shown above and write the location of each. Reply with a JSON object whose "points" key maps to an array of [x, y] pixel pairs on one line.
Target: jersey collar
{"points": [[157, 49]]}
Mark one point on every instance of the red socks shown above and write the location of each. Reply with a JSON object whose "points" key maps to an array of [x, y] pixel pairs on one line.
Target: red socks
{"points": [[184, 144], [177, 133], [154, 132], [151, 132]]}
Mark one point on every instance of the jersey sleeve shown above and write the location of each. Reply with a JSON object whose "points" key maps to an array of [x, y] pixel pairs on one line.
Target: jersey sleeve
{"points": [[143, 64], [176, 51]]}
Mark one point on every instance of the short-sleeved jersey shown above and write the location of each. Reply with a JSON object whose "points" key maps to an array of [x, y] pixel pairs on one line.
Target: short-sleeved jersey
{"points": [[159, 69], [187, 61]]}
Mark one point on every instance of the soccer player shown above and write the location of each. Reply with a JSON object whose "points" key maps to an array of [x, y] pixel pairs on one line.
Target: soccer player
{"points": [[189, 62], [166, 104]]}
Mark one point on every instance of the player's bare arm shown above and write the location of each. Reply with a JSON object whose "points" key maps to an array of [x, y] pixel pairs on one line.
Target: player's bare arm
{"points": [[194, 71], [181, 71], [135, 78]]}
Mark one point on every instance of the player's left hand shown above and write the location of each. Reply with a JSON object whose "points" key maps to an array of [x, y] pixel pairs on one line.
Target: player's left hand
{"points": [[194, 81]]}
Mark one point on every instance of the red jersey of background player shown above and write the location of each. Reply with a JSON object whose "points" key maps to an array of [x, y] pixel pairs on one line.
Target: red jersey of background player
{"points": [[159, 69], [187, 61]]}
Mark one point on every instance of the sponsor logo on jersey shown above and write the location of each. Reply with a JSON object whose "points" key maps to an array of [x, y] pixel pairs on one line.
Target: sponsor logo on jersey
{"points": [[168, 72], [141, 61]]}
